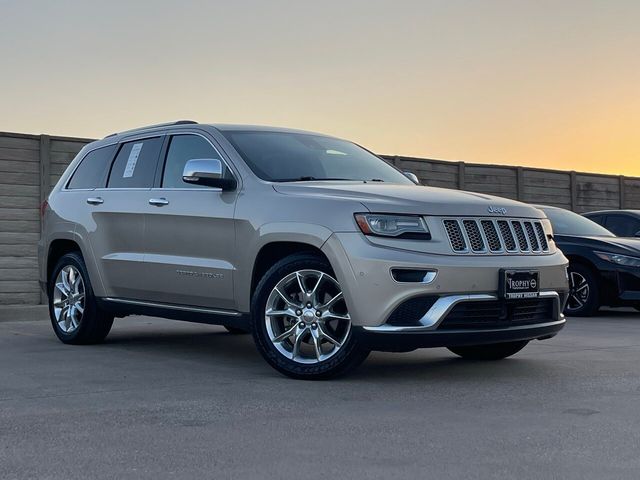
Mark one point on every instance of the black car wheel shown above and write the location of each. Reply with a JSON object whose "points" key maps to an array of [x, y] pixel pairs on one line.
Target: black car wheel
{"points": [[583, 292]]}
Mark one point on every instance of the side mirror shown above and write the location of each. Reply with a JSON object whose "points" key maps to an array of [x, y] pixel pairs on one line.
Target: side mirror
{"points": [[413, 177], [637, 234], [207, 171]]}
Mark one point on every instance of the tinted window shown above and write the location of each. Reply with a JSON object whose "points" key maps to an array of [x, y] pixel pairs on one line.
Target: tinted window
{"points": [[599, 219], [284, 156], [181, 149], [623, 225], [565, 222], [93, 169], [135, 164]]}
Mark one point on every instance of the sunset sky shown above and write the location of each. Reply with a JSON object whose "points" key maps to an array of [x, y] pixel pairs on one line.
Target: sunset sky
{"points": [[553, 84]]}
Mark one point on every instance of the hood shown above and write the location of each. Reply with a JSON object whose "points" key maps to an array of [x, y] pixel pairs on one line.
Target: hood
{"points": [[393, 198], [621, 245]]}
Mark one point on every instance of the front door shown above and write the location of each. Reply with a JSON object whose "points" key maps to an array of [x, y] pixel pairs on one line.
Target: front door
{"points": [[190, 234]]}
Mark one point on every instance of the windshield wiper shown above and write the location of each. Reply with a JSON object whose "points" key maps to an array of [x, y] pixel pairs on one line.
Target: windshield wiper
{"points": [[374, 180]]}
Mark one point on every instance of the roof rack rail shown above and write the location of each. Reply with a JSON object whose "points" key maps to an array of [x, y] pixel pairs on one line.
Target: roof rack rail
{"points": [[157, 125]]}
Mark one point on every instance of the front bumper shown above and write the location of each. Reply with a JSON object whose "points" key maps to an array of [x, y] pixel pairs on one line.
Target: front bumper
{"points": [[371, 293], [411, 340]]}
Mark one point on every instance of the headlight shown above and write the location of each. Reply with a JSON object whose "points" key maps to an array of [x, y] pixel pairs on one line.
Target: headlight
{"points": [[399, 226], [619, 259]]}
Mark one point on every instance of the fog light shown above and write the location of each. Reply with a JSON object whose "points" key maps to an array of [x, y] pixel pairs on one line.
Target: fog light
{"points": [[410, 275]]}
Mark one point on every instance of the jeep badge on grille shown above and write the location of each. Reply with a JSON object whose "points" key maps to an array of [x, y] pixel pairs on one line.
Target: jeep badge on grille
{"points": [[497, 210]]}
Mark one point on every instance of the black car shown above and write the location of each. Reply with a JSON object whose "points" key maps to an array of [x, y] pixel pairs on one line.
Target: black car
{"points": [[624, 223], [603, 269]]}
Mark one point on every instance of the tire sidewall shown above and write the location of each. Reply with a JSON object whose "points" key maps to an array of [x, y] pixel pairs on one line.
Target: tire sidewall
{"points": [[351, 352], [74, 259], [592, 304]]}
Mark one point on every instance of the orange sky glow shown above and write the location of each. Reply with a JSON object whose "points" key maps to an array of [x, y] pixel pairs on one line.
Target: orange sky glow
{"points": [[537, 83]]}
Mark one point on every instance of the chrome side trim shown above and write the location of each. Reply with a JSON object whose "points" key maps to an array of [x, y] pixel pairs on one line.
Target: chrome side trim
{"points": [[438, 312], [171, 306]]}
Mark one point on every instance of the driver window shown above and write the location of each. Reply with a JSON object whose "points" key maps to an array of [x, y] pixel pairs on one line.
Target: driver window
{"points": [[181, 149]]}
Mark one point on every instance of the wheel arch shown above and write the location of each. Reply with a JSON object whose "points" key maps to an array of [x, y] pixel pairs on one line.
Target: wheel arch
{"points": [[274, 242]]}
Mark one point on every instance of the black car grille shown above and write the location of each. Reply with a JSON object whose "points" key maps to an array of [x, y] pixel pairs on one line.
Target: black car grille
{"points": [[498, 314], [409, 313], [489, 235]]}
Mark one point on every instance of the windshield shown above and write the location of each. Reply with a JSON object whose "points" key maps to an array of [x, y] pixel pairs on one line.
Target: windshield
{"points": [[565, 222], [290, 157]]}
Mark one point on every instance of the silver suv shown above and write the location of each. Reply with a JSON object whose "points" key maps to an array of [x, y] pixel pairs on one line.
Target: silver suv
{"points": [[319, 248]]}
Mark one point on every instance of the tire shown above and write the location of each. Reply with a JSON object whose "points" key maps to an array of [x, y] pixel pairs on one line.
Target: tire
{"points": [[584, 294], [235, 330], [493, 351], [89, 326], [306, 353]]}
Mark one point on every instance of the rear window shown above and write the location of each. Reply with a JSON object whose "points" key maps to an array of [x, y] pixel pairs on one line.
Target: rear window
{"points": [[93, 169], [135, 164]]}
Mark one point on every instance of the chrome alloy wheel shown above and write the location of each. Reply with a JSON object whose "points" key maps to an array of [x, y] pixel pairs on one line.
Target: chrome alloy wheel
{"points": [[578, 291], [68, 299], [306, 317]]}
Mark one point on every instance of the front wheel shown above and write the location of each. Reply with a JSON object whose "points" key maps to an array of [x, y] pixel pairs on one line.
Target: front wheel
{"points": [[583, 298], [493, 351], [300, 321]]}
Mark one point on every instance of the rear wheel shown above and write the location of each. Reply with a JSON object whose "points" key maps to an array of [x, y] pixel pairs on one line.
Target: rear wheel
{"points": [[300, 321], [75, 316], [494, 351], [583, 292]]}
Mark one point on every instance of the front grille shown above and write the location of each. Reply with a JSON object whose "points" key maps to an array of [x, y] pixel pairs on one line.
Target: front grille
{"points": [[488, 235], [455, 235], [498, 314], [474, 235]]}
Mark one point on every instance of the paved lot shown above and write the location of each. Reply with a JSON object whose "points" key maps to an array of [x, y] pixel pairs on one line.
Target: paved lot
{"points": [[165, 399]]}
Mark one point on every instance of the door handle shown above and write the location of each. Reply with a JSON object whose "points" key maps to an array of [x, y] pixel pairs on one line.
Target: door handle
{"points": [[95, 200], [158, 202]]}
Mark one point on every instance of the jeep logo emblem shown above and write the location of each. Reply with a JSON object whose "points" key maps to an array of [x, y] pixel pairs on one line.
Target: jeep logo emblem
{"points": [[497, 210]]}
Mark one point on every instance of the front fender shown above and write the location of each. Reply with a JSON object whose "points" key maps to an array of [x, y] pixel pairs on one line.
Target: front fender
{"points": [[304, 233]]}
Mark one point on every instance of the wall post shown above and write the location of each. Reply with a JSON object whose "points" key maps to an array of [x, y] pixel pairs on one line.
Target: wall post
{"points": [[45, 176], [573, 188], [520, 183], [461, 174]]}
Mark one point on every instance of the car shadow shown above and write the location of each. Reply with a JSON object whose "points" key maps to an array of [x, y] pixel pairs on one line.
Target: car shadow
{"points": [[219, 348]]}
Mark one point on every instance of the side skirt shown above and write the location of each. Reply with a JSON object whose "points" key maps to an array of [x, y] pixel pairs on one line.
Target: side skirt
{"points": [[122, 307]]}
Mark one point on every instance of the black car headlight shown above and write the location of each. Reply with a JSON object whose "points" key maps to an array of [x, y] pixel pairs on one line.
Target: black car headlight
{"points": [[398, 226], [618, 259]]}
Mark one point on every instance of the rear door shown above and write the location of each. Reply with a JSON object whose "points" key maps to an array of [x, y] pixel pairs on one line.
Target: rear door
{"points": [[116, 225], [190, 235]]}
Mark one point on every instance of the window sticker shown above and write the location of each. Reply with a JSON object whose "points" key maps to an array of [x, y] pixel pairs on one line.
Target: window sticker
{"points": [[133, 159]]}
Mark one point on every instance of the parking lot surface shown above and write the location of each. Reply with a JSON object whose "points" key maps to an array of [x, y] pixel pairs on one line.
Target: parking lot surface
{"points": [[165, 399]]}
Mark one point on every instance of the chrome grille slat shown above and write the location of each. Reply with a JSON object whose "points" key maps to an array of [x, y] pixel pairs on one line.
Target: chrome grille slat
{"points": [[472, 230], [491, 234], [542, 237], [531, 237], [496, 236], [456, 239]]}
